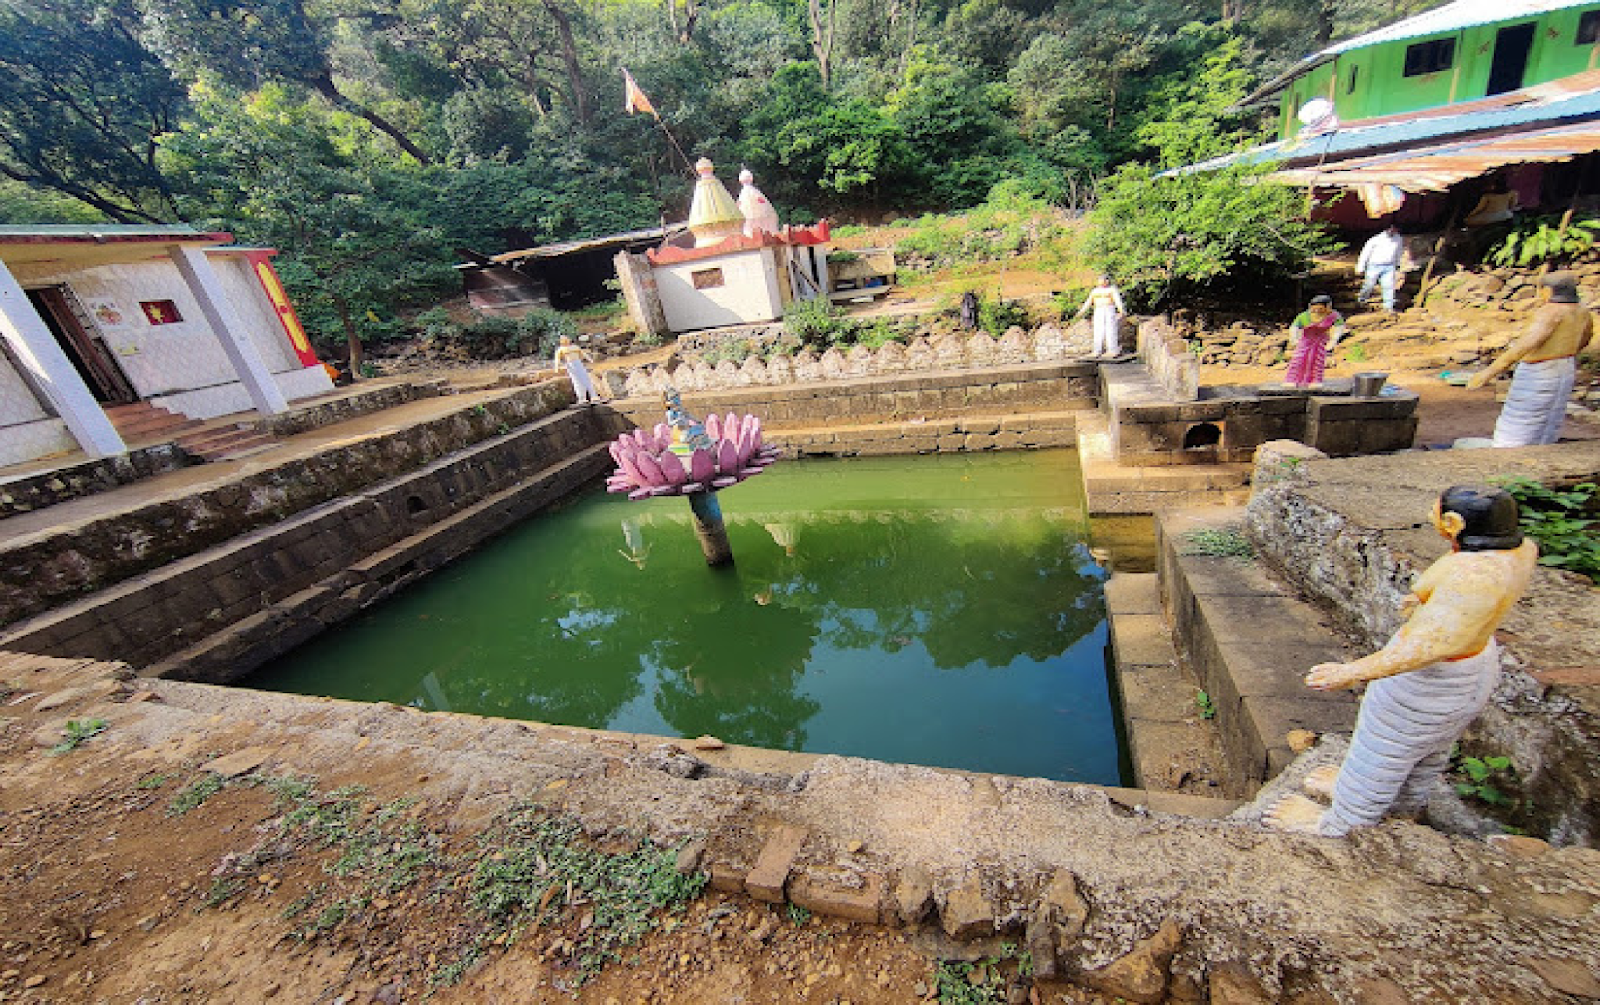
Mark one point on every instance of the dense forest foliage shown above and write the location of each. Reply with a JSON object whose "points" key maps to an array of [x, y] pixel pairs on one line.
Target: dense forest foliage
{"points": [[372, 139]]}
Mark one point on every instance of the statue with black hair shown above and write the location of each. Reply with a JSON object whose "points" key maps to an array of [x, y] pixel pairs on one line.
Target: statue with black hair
{"points": [[1545, 362], [1431, 679]]}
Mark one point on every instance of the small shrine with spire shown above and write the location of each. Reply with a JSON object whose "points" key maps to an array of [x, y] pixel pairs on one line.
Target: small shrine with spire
{"points": [[736, 264]]}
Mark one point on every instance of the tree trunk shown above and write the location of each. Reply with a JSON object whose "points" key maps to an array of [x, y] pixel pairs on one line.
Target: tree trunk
{"points": [[569, 58], [684, 30], [352, 337], [323, 84], [911, 38], [822, 37]]}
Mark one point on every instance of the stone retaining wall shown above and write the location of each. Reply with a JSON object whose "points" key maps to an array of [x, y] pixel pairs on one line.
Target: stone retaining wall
{"points": [[41, 570], [968, 434], [345, 407], [1166, 354], [1047, 344], [329, 547], [1021, 388], [23, 495]]}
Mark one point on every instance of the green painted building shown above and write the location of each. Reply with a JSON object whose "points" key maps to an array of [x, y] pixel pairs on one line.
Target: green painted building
{"points": [[1462, 51]]}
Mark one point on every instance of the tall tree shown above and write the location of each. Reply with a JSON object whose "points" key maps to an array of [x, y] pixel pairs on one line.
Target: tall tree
{"points": [[83, 106], [251, 42]]}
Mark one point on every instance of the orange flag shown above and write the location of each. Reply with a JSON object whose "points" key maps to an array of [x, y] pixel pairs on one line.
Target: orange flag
{"points": [[633, 98]]}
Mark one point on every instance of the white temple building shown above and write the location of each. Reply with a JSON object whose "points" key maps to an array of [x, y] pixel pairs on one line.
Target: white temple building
{"points": [[95, 317], [736, 265]]}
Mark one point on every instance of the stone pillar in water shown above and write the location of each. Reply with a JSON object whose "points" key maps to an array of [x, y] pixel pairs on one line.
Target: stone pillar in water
{"points": [[709, 528]]}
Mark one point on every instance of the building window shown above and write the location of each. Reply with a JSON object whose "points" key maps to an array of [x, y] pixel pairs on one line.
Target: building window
{"points": [[1350, 86], [160, 312], [706, 279], [1589, 27], [1430, 57]]}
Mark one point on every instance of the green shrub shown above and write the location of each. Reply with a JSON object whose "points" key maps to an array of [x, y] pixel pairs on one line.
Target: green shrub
{"points": [[539, 332], [997, 315], [1564, 522], [817, 322], [1539, 239]]}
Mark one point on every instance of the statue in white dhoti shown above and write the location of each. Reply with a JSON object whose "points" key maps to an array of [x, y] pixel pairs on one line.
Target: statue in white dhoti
{"points": [[1431, 679], [572, 359], [1546, 365]]}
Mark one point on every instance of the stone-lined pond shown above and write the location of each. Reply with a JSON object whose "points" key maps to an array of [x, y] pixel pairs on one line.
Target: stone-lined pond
{"points": [[938, 610]]}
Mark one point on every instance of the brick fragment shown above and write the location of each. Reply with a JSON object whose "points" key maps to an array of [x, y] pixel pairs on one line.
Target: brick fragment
{"points": [[766, 881]]}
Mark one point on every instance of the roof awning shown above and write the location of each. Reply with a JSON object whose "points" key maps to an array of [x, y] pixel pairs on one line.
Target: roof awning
{"points": [[1436, 167], [67, 248]]}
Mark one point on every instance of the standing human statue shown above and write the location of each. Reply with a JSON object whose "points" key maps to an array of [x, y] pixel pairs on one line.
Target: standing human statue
{"points": [[572, 358], [1546, 364], [1106, 300], [1430, 680], [1378, 264], [1314, 333]]}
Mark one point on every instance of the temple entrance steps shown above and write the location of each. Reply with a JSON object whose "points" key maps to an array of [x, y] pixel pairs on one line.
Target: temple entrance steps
{"points": [[224, 440], [143, 422]]}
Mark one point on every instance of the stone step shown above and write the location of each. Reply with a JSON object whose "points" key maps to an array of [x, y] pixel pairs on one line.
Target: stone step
{"points": [[145, 618], [1249, 640], [1172, 744]]}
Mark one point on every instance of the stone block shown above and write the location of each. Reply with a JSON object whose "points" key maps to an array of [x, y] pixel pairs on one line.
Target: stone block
{"points": [[966, 912], [832, 896], [1142, 640], [913, 895], [1140, 976], [1155, 694], [1133, 593], [767, 879]]}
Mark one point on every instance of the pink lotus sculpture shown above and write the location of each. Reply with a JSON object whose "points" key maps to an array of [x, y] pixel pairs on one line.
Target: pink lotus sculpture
{"points": [[648, 464], [682, 457]]}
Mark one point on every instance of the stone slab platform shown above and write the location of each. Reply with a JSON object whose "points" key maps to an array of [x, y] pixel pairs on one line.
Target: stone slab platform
{"points": [[1170, 742], [1114, 487]]}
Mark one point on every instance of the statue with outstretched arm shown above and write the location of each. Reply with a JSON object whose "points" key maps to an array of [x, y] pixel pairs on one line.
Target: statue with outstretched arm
{"points": [[1431, 679]]}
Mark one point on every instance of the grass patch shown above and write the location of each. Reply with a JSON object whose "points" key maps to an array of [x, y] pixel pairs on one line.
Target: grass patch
{"points": [[982, 981], [1218, 542], [75, 733], [1564, 522], [195, 794], [536, 869]]}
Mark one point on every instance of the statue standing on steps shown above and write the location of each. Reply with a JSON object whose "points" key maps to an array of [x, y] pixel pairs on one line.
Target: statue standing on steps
{"points": [[1106, 300], [1431, 679], [1545, 359]]}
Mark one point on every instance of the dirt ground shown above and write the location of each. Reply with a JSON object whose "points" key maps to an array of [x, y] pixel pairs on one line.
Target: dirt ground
{"points": [[104, 898]]}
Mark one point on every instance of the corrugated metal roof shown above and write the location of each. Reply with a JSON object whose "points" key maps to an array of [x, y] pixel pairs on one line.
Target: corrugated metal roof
{"points": [[1549, 107], [592, 243], [1451, 17], [1454, 17], [1436, 167]]}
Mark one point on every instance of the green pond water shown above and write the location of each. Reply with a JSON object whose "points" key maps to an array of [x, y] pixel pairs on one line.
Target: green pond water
{"points": [[939, 610]]}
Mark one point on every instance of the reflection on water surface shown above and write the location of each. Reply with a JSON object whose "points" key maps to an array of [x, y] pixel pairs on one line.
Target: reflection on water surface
{"points": [[936, 610]]}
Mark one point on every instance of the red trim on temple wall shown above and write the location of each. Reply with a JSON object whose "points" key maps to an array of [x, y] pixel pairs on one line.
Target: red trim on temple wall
{"points": [[820, 233], [261, 264]]}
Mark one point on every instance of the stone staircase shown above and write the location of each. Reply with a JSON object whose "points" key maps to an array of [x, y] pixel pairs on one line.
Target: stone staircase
{"points": [[224, 440], [143, 422]]}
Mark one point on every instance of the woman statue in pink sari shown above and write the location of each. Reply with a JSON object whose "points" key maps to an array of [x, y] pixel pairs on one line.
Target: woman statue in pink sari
{"points": [[1315, 332]]}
